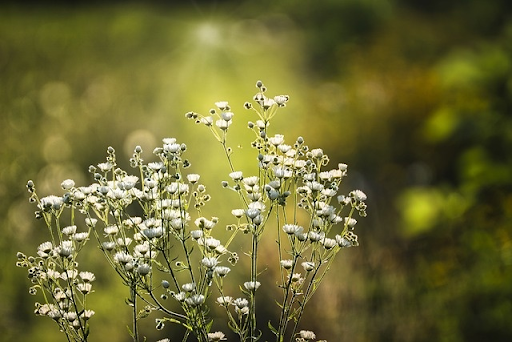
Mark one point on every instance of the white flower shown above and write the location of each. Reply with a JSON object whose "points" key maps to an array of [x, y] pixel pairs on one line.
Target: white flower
{"points": [[86, 314], [308, 266], [317, 153], [124, 242], [85, 288], [176, 187], [221, 271], [193, 178], [195, 300], [188, 287], [202, 222], [336, 173], [208, 121], [224, 300], [307, 335], [281, 100], [196, 234], [223, 124], [128, 182], [45, 247], [143, 269], [172, 147], [267, 103], [151, 233], [87, 276], [252, 285], [66, 248], [91, 222], [79, 237], [358, 195], [123, 258], [222, 105], [291, 228], [251, 181], [325, 176], [51, 202], [240, 303], [67, 184], [209, 262], [236, 175], [329, 243], [237, 212], [343, 242], [276, 140], [180, 297], [69, 274], [342, 167], [316, 236], [108, 245], [70, 316], [104, 167], [350, 222], [287, 264], [111, 230], [216, 336], [227, 116]]}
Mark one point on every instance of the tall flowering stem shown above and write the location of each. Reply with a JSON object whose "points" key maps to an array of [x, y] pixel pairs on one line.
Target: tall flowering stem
{"points": [[287, 173]]}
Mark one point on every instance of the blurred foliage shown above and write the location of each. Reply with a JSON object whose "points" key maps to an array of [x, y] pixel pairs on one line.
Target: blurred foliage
{"points": [[415, 96]]}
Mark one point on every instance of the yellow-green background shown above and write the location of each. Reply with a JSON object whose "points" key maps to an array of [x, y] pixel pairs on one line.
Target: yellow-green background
{"points": [[416, 96]]}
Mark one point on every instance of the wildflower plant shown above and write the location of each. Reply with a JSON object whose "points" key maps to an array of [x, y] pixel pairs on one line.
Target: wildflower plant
{"points": [[152, 232]]}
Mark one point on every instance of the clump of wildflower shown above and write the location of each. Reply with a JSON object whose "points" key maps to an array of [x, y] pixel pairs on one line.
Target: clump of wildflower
{"points": [[170, 239]]}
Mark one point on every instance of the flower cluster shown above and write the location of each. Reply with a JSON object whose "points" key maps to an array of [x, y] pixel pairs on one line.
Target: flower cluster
{"points": [[152, 232], [55, 270]]}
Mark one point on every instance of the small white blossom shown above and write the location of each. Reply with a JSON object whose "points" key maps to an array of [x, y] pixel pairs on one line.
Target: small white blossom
{"points": [[221, 271], [195, 300], [251, 181], [67, 184], [238, 213], [209, 262], [91, 222], [143, 269], [307, 335], [291, 228], [216, 336], [329, 243], [240, 303], [224, 300], [193, 178], [252, 285], [222, 105], [123, 258], [87, 314], [276, 140], [287, 264], [79, 237], [104, 167], [308, 266], [317, 153], [111, 230], [87, 276], [236, 175], [85, 288], [358, 195], [196, 234]]}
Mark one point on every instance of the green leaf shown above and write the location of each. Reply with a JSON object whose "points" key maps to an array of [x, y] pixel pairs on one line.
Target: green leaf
{"points": [[271, 327]]}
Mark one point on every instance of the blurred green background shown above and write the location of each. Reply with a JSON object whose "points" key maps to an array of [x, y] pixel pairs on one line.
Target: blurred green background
{"points": [[416, 96]]}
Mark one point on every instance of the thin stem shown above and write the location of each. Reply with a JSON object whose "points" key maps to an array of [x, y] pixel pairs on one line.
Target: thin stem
{"points": [[133, 299]]}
